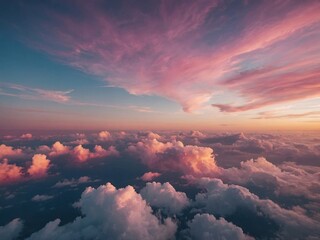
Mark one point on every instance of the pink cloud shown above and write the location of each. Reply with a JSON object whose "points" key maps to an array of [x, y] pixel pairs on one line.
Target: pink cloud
{"points": [[58, 149], [40, 166], [83, 154], [26, 136], [8, 151], [186, 51], [175, 156], [149, 176], [104, 136], [9, 172]]}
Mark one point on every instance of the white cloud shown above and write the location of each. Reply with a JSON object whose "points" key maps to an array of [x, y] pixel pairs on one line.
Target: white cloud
{"points": [[11, 230], [207, 227], [224, 199], [165, 196], [110, 213]]}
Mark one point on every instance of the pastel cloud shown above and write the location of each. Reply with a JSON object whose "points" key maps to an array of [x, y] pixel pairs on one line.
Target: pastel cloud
{"points": [[8, 151], [83, 154], [104, 136], [287, 179], [40, 166], [24, 92], [187, 51], [175, 156], [9, 172], [72, 182], [225, 199], [149, 176], [207, 227], [165, 196], [110, 213], [58, 149], [11, 230], [41, 198], [26, 136]]}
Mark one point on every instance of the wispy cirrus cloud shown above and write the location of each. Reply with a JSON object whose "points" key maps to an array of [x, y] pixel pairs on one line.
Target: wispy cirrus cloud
{"points": [[264, 53], [25, 92]]}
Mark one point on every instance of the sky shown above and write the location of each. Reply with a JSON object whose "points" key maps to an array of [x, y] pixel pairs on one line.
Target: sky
{"points": [[164, 65]]}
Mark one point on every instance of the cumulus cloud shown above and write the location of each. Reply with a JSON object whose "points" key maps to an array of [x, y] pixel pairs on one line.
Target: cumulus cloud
{"points": [[9, 172], [83, 154], [149, 176], [225, 199], [165, 196], [175, 156], [104, 136], [288, 179], [8, 151], [58, 149], [72, 182], [207, 227], [12, 230], [26, 136], [41, 198], [110, 213], [40, 165]]}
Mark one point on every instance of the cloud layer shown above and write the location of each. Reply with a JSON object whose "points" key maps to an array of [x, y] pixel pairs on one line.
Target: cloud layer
{"points": [[188, 51]]}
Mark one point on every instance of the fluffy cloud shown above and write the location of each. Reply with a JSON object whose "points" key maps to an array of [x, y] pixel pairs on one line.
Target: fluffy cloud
{"points": [[104, 136], [26, 136], [207, 227], [40, 165], [8, 151], [174, 156], [11, 230], [149, 176], [110, 213], [164, 196], [83, 154], [58, 149], [288, 179], [225, 199], [41, 198], [9, 172]]}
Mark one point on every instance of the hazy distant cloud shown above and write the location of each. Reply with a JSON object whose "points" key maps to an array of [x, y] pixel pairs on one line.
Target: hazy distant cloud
{"points": [[149, 176], [41, 198], [26, 136], [207, 227], [24, 92], [110, 213], [12, 230], [9, 172], [164, 196], [40, 166], [72, 182], [104, 136]]}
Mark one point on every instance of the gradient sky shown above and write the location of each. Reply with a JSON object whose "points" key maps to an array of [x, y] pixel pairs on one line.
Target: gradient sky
{"points": [[207, 65]]}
